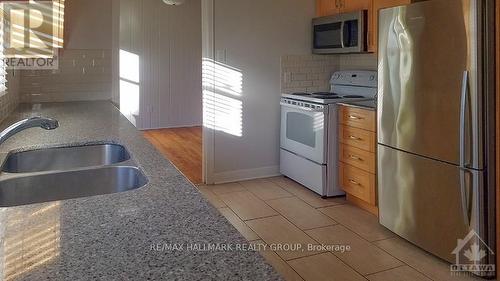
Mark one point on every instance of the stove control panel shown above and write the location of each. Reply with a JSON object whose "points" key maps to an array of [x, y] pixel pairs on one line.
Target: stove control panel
{"points": [[355, 78], [296, 103]]}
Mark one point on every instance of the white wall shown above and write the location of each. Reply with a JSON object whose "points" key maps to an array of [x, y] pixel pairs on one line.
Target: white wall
{"points": [[251, 36], [88, 24], [115, 54], [168, 42]]}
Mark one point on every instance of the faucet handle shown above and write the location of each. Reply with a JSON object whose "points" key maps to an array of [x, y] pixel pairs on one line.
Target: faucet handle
{"points": [[48, 123]]}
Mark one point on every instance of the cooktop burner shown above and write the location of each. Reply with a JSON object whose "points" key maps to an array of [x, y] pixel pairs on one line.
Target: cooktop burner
{"points": [[353, 97], [323, 97], [328, 97], [323, 94]]}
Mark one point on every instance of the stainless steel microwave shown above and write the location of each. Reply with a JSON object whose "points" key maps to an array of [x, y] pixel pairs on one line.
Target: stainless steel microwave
{"points": [[342, 33]]}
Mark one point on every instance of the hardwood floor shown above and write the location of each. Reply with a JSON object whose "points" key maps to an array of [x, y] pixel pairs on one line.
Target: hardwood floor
{"points": [[183, 147]]}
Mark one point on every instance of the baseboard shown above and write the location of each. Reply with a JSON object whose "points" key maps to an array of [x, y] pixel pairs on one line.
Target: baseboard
{"points": [[171, 127], [248, 174]]}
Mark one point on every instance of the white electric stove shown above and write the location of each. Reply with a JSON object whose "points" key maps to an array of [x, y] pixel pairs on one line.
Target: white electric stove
{"points": [[309, 131]]}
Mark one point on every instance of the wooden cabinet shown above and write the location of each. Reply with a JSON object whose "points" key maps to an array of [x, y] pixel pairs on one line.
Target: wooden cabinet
{"points": [[373, 19], [347, 6], [332, 7], [357, 156], [358, 118], [358, 183], [327, 7], [358, 138]]}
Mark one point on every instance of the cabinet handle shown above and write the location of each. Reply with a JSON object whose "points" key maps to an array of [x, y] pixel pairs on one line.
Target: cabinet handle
{"points": [[355, 138], [354, 182], [355, 157], [354, 117]]}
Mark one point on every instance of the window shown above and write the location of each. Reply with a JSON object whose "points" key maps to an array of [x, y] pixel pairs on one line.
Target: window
{"points": [[29, 30]]}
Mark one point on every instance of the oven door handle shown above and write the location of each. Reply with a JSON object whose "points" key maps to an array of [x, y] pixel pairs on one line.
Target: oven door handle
{"points": [[308, 109]]}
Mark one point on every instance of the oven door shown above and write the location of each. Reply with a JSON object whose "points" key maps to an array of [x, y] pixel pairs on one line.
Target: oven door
{"points": [[304, 131], [343, 33]]}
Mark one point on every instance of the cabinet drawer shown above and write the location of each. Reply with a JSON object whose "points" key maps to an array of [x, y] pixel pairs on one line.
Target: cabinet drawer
{"points": [[358, 118], [358, 138], [358, 183], [358, 158]]}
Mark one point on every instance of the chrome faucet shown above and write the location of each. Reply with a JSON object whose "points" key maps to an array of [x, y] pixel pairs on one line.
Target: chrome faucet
{"points": [[44, 123]]}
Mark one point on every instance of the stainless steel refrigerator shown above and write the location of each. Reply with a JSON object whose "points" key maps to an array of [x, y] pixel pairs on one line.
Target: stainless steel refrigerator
{"points": [[436, 123]]}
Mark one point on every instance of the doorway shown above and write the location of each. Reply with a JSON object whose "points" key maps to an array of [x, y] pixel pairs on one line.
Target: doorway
{"points": [[159, 78]]}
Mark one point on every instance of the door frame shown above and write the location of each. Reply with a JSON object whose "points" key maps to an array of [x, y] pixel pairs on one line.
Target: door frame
{"points": [[208, 58], [497, 136]]}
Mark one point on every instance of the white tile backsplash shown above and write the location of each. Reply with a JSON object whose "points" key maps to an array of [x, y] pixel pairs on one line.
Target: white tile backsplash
{"points": [[307, 73], [358, 62], [311, 73], [9, 100], [82, 75]]}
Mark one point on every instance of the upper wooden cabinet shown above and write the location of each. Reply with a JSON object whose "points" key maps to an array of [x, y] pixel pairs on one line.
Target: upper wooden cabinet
{"points": [[327, 7], [355, 5], [373, 19], [333, 7]]}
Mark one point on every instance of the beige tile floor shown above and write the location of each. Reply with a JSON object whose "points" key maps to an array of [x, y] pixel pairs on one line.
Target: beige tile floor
{"points": [[278, 211]]}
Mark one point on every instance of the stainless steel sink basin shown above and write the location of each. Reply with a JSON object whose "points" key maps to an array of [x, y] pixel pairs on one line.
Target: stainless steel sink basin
{"points": [[60, 173], [65, 158], [67, 185]]}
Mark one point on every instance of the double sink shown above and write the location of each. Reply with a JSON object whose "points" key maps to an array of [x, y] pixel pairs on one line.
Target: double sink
{"points": [[60, 173]]}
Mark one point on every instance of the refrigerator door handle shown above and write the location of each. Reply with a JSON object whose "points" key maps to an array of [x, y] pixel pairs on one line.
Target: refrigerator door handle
{"points": [[464, 186], [463, 122], [342, 42], [465, 196]]}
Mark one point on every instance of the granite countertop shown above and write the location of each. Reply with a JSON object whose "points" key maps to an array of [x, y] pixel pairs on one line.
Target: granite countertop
{"points": [[368, 104], [121, 236]]}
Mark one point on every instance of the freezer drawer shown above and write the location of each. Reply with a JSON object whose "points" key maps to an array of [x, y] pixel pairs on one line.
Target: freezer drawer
{"points": [[304, 171], [423, 201]]}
